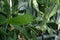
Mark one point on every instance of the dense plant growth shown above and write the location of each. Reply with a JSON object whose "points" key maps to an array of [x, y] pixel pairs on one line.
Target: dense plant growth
{"points": [[39, 15]]}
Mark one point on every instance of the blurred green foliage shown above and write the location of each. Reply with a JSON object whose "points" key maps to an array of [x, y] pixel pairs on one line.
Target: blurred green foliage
{"points": [[27, 25]]}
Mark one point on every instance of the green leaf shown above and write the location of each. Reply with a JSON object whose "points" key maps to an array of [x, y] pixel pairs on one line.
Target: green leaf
{"points": [[40, 1], [14, 6], [24, 33], [21, 20], [5, 7], [33, 34], [12, 35], [35, 5], [50, 31], [2, 31], [54, 10], [2, 19]]}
